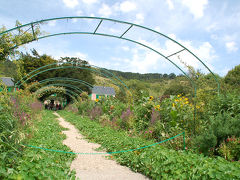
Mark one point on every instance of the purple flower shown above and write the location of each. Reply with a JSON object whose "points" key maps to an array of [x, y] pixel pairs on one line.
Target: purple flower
{"points": [[154, 116], [126, 114]]}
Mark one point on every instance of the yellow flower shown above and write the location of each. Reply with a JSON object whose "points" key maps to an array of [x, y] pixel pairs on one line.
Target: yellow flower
{"points": [[151, 98], [97, 100], [173, 105], [179, 95], [197, 107], [157, 107], [186, 102]]}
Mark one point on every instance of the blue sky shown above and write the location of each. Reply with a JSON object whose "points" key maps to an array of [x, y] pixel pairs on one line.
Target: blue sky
{"points": [[209, 28]]}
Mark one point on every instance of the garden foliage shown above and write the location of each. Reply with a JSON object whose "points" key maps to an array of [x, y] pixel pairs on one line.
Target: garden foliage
{"points": [[156, 162]]}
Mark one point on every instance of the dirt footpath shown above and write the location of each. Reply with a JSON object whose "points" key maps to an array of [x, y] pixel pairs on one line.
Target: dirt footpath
{"points": [[93, 167]]}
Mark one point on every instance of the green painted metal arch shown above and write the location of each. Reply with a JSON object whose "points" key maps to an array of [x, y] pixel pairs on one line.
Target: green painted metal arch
{"points": [[66, 85], [68, 92], [67, 79], [62, 67], [136, 42], [121, 37]]}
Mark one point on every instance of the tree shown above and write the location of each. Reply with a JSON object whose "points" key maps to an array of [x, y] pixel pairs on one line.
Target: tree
{"points": [[80, 70], [172, 76], [233, 77], [32, 62], [9, 42], [176, 88]]}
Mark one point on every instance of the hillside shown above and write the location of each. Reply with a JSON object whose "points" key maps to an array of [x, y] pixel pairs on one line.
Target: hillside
{"points": [[154, 83]]}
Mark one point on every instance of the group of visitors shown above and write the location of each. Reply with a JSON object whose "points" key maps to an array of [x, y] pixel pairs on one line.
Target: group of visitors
{"points": [[53, 106]]}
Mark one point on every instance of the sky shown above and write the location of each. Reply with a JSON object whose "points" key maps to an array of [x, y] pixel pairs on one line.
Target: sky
{"points": [[208, 28]]}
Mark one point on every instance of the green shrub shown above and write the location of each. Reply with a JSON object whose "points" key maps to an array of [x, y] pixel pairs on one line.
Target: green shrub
{"points": [[230, 149], [17, 109], [228, 103], [155, 162], [84, 107], [220, 128], [176, 88], [233, 77]]}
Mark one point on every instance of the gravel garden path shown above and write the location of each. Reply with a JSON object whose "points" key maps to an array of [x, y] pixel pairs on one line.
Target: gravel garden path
{"points": [[93, 167]]}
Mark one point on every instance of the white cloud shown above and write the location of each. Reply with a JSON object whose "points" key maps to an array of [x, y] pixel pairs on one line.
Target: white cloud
{"points": [[105, 10], [212, 27], [127, 6], [79, 13], [196, 7], [139, 18], [74, 20], [52, 23], [125, 48], [157, 29], [70, 54], [89, 2], [81, 55], [231, 46], [70, 3], [170, 5], [204, 51]]}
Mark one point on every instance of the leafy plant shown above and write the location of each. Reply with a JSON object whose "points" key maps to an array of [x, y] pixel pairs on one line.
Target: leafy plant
{"points": [[221, 127], [230, 149], [155, 162]]}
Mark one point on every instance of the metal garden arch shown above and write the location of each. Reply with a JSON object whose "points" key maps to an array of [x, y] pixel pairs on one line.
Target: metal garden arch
{"points": [[130, 26]]}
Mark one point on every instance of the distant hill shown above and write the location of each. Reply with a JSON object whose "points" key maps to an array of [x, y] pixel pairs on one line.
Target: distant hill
{"points": [[147, 76]]}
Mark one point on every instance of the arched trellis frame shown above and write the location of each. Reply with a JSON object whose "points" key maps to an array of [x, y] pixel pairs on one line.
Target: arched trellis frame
{"points": [[95, 69], [65, 80], [130, 25], [92, 68], [68, 92], [79, 90]]}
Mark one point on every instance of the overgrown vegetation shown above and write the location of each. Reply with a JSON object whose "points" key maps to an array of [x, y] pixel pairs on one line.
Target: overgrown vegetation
{"points": [[156, 162], [40, 164], [208, 120], [155, 108], [17, 110], [24, 122]]}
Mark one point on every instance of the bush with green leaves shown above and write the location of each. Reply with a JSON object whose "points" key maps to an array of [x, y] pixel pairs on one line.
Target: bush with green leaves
{"points": [[230, 149], [176, 111], [221, 126], [17, 109], [84, 106], [40, 164], [155, 162], [233, 77], [176, 88], [228, 102]]}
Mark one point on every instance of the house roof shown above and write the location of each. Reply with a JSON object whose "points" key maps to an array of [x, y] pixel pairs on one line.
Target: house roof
{"points": [[7, 81], [101, 90]]}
